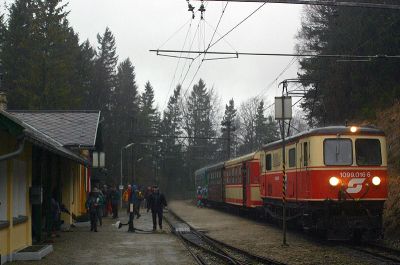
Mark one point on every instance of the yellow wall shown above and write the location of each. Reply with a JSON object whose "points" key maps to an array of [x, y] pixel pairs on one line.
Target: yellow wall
{"points": [[71, 193], [16, 237]]}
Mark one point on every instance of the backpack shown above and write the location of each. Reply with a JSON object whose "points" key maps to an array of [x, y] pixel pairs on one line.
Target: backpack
{"points": [[125, 196], [139, 195]]}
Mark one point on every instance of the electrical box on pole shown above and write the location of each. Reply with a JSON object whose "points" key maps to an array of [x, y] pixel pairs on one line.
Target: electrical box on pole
{"points": [[283, 108]]}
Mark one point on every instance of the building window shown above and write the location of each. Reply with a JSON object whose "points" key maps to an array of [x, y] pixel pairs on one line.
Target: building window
{"points": [[3, 191], [19, 188]]}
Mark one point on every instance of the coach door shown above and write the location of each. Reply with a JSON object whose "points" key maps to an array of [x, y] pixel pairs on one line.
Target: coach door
{"points": [[304, 190], [244, 181]]}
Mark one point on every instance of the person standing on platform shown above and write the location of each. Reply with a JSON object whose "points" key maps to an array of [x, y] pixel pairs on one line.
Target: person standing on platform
{"points": [[104, 191], [133, 200], [146, 197], [115, 199], [92, 205], [101, 203], [156, 204], [139, 199]]}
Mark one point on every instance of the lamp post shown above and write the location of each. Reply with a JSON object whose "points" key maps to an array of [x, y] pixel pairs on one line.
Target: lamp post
{"points": [[121, 185]]}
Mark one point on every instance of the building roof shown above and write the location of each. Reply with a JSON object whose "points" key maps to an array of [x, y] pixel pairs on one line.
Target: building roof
{"points": [[70, 128], [15, 125]]}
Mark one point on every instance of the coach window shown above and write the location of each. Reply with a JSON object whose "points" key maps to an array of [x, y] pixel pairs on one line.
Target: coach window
{"points": [[268, 162], [368, 152], [305, 154], [262, 162], [276, 159], [292, 157], [338, 152]]}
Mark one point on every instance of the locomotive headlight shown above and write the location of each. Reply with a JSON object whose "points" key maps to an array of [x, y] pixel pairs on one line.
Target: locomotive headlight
{"points": [[376, 181], [353, 129], [334, 181]]}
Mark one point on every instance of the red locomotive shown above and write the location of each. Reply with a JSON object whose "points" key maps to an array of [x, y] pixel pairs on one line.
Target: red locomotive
{"points": [[336, 181]]}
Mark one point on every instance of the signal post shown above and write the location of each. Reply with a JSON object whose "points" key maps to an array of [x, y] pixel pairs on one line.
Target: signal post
{"points": [[283, 112]]}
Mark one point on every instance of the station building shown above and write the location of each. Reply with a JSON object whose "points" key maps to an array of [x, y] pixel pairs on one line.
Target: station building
{"points": [[43, 155]]}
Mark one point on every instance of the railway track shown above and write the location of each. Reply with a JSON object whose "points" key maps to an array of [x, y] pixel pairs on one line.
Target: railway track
{"points": [[379, 252], [207, 250]]}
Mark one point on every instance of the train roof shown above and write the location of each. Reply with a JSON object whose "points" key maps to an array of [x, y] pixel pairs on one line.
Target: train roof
{"points": [[331, 130], [240, 159], [209, 168]]}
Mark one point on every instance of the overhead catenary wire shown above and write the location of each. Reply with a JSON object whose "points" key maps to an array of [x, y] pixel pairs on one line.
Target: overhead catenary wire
{"points": [[208, 47], [177, 65], [175, 33], [342, 3], [219, 39], [327, 56]]}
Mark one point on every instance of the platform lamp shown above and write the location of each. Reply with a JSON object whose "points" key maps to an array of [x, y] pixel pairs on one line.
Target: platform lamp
{"points": [[121, 186]]}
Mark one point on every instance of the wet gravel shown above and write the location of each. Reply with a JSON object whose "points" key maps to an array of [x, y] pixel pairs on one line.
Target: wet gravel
{"points": [[266, 239]]}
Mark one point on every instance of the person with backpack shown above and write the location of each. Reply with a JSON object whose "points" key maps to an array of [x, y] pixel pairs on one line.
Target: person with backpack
{"points": [[101, 201], [92, 205], [157, 202]]}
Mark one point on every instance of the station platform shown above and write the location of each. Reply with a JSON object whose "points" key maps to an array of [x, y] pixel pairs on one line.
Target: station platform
{"points": [[116, 246]]}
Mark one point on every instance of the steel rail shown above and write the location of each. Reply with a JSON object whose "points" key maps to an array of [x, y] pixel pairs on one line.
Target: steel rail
{"points": [[375, 255], [215, 242], [197, 258]]}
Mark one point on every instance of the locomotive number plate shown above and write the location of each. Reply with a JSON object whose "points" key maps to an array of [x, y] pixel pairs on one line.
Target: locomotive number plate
{"points": [[348, 174]]}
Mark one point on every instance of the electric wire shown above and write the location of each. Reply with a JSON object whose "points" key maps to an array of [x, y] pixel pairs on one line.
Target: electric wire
{"points": [[177, 65], [176, 32]]}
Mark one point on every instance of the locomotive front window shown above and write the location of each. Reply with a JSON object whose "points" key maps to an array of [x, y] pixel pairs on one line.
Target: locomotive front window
{"points": [[338, 152], [368, 152]]}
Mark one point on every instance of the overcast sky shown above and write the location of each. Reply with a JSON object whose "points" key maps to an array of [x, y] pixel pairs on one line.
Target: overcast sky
{"points": [[140, 25]]}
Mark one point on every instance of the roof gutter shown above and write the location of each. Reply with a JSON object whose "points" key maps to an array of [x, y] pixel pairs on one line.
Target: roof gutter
{"points": [[21, 145]]}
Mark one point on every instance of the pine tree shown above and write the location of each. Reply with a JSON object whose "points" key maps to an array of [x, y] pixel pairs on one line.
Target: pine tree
{"points": [[260, 125], [228, 129], [171, 148], [149, 127], [18, 56], [86, 68], [200, 127], [40, 56], [347, 89], [102, 96]]}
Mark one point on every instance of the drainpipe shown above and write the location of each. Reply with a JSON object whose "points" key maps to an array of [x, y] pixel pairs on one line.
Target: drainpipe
{"points": [[17, 152]]}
